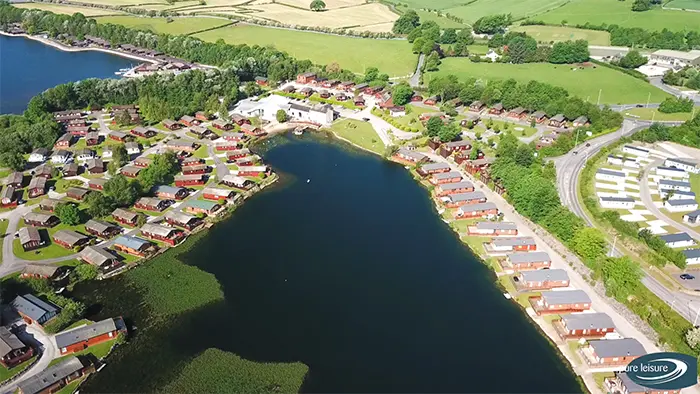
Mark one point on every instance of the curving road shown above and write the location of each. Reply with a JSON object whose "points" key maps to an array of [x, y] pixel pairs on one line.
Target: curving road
{"points": [[569, 168]]}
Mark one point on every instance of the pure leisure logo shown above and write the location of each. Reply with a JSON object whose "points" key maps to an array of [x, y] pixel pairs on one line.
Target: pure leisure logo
{"points": [[664, 371]]}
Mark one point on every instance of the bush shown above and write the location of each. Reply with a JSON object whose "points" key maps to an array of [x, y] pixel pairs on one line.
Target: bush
{"points": [[676, 104]]}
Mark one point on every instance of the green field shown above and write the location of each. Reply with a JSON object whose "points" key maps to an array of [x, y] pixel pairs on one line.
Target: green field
{"points": [[620, 13], [518, 8], [617, 88], [442, 21], [393, 57], [548, 34], [652, 113], [359, 133], [161, 25], [684, 4]]}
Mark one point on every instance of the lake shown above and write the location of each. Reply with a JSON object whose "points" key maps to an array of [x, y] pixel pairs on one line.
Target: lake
{"points": [[346, 267], [29, 67]]}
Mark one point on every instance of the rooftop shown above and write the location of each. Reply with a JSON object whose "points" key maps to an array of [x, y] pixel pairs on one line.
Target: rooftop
{"points": [[83, 333], [617, 347], [566, 297], [678, 237], [587, 321], [528, 257], [545, 275]]}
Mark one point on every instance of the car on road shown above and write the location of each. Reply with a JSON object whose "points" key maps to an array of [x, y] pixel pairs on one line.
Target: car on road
{"points": [[575, 152], [365, 119], [639, 106], [687, 277], [588, 144]]}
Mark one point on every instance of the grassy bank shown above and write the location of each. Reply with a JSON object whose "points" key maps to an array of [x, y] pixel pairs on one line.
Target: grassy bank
{"points": [[617, 88], [393, 57], [359, 133], [652, 113], [161, 25], [68, 9], [548, 34]]}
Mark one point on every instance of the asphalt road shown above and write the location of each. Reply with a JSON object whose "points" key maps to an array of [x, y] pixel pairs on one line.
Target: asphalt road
{"points": [[569, 168]]}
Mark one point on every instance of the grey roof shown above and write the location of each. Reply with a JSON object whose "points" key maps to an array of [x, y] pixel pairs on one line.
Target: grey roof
{"points": [[466, 196], [32, 306], [8, 193], [15, 177], [447, 175], [96, 255], [581, 119], [69, 236], [691, 253], [38, 182], [671, 182], [558, 118], [98, 225], [528, 257], [166, 189], [50, 202], [51, 376], [435, 166], [61, 152], [117, 134], [587, 321], [688, 162], [456, 185], [670, 169], [234, 179], [124, 214], [636, 148], [610, 172], [680, 203], [83, 333], [77, 191], [223, 193], [38, 217], [189, 177], [477, 207], [539, 114], [545, 275], [131, 169], [233, 135], [496, 226], [179, 217], [412, 154], [157, 229], [28, 234], [243, 151], [631, 386], [621, 158], [149, 201], [566, 297], [681, 193], [180, 143], [678, 237], [98, 181], [457, 144], [617, 199], [40, 269], [519, 241], [693, 214], [9, 342], [131, 242], [617, 347]]}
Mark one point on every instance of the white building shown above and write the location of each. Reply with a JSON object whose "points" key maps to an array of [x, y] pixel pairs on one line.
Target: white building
{"points": [[85, 154], [107, 152], [397, 112], [622, 161], [676, 59], [681, 205], [60, 157], [671, 172], [617, 202], [634, 150], [678, 240], [610, 175], [38, 155], [692, 217], [319, 113], [668, 184], [132, 148], [676, 195], [266, 108], [692, 166], [692, 256]]}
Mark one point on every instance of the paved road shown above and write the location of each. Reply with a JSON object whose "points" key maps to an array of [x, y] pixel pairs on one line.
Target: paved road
{"points": [[47, 347], [649, 203], [415, 78], [569, 168]]}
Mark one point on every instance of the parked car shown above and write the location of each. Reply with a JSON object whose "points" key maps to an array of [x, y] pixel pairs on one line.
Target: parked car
{"points": [[365, 119], [687, 277]]}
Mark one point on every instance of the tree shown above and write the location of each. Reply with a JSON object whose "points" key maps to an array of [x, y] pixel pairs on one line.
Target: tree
{"points": [[13, 160], [449, 36], [693, 338], [621, 276], [433, 126], [371, 74], [119, 158], [524, 155], [317, 5], [122, 118], [401, 94], [641, 5], [99, 205], [418, 45], [406, 23], [160, 172], [68, 214], [675, 105], [84, 272], [253, 89], [589, 243], [633, 59], [432, 62], [449, 133], [281, 116], [465, 36], [521, 49], [122, 191], [569, 52], [492, 24], [428, 47]]}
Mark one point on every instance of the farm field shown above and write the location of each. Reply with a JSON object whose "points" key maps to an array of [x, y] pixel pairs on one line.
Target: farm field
{"points": [[617, 88], [620, 13], [518, 8], [68, 9], [393, 57], [442, 21], [434, 4], [167, 6], [548, 34], [160, 25], [684, 4]]}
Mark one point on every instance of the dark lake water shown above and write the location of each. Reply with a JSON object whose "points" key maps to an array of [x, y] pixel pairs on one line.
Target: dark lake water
{"points": [[29, 67], [354, 274]]}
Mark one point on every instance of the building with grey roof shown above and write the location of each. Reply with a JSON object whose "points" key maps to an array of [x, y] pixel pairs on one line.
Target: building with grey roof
{"points": [[12, 349], [565, 297], [587, 321], [33, 308], [669, 184], [53, 377], [529, 258], [98, 256], [446, 175], [496, 226], [519, 241], [614, 348], [486, 206], [692, 256], [69, 238], [29, 238], [411, 155], [445, 187], [79, 335], [465, 197], [551, 275], [609, 175], [677, 240], [434, 167], [41, 270]]}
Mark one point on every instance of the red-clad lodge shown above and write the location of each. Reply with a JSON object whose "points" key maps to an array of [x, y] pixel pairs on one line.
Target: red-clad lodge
{"points": [[81, 338], [251, 171], [584, 325], [190, 180]]}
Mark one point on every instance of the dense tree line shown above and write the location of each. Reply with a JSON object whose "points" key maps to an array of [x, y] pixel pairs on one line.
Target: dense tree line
{"points": [[631, 60], [492, 24], [686, 134], [672, 105], [518, 47], [408, 21], [532, 95], [687, 76]]}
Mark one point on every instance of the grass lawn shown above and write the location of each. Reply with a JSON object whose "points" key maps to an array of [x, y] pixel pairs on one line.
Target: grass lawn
{"points": [[518, 8], [81, 322], [71, 387], [524, 299], [478, 49], [684, 4], [161, 25], [442, 21], [617, 88], [649, 113], [68, 9], [599, 378], [620, 13], [202, 152], [548, 34], [3, 229], [694, 184], [8, 373], [393, 57], [359, 133], [51, 250], [99, 351], [573, 348]]}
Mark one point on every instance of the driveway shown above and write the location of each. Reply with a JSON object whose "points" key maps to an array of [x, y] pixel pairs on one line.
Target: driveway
{"points": [[48, 351]]}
